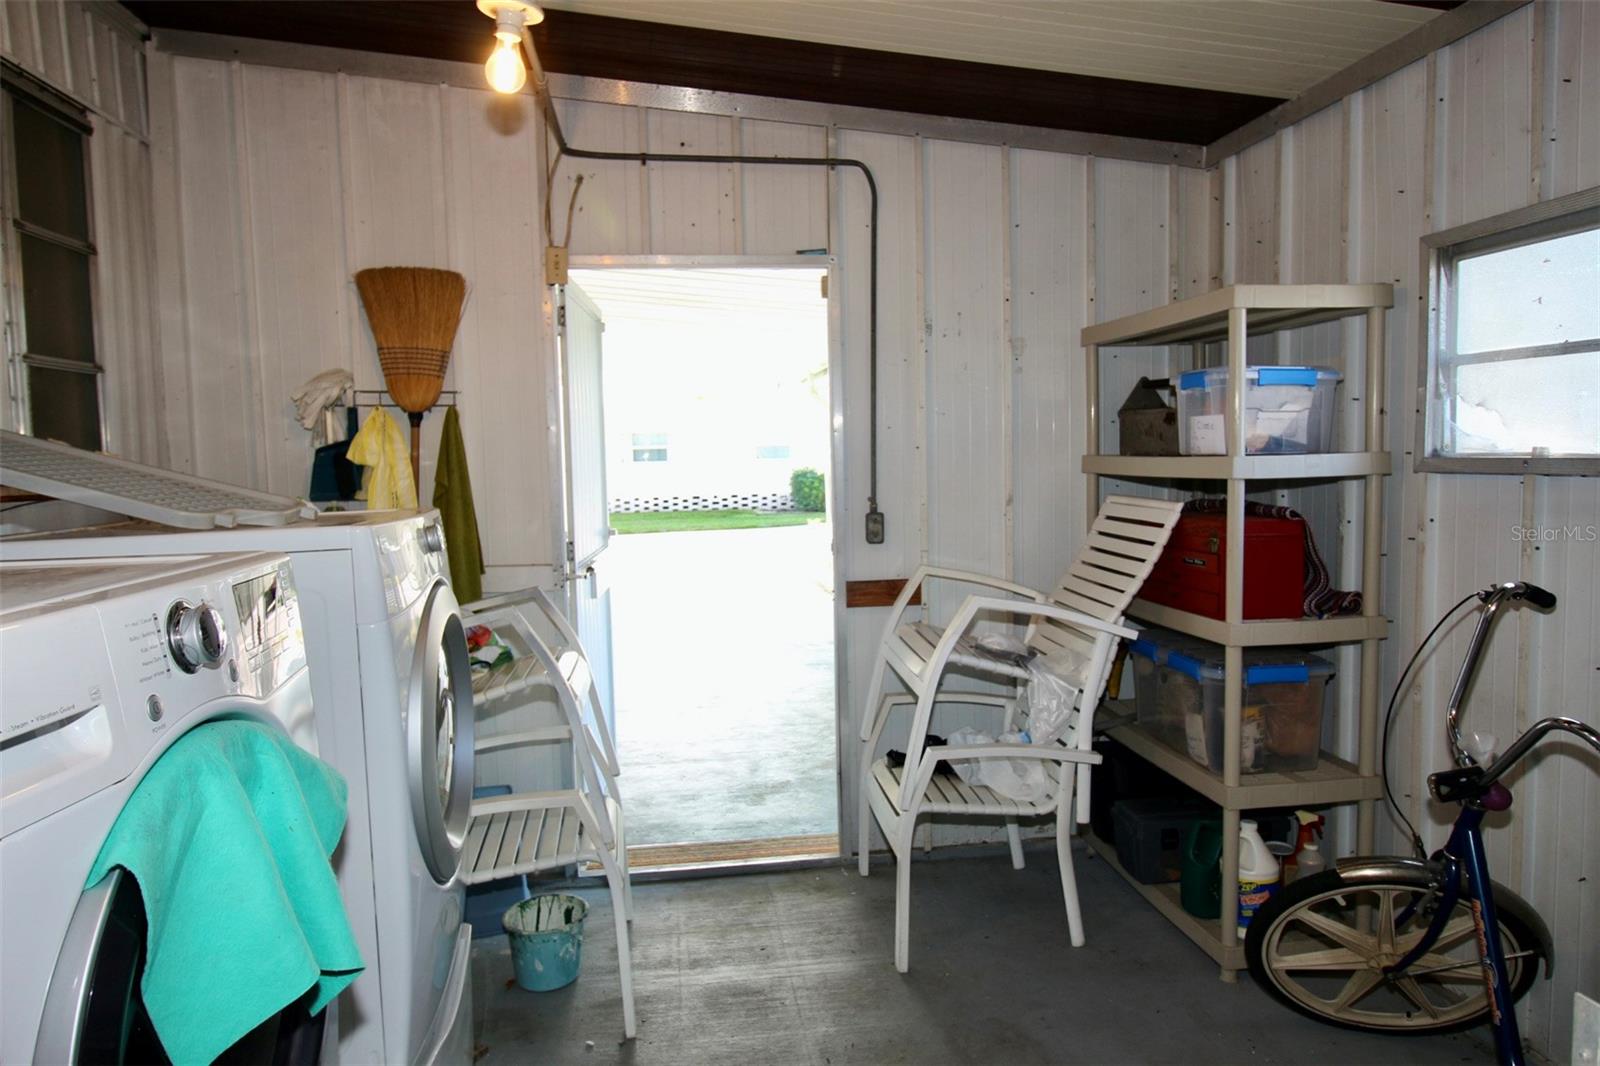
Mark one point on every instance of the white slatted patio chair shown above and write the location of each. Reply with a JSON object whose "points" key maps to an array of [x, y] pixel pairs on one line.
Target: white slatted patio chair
{"points": [[531, 832], [1073, 630]]}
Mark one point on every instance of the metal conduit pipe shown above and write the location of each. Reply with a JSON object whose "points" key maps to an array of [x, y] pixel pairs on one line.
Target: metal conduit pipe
{"points": [[874, 521]]}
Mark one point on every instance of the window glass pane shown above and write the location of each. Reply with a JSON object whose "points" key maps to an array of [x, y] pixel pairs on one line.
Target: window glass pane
{"points": [[1516, 405], [642, 440], [64, 406], [55, 297], [649, 455], [1540, 293], [772, 451], [50, 190]]}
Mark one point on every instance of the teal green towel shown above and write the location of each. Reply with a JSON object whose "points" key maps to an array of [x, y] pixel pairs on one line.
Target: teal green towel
{"points": [[452, 495], [229, 836]]}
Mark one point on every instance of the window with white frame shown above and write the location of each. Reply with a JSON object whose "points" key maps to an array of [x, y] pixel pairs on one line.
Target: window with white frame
{"points": [[1513, 360], [772, 451], [649, 447], [48, 257]]}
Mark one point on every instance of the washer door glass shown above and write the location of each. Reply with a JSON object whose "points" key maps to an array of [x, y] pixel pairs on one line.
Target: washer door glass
{"points": [[94, 1012], [439, 734]]}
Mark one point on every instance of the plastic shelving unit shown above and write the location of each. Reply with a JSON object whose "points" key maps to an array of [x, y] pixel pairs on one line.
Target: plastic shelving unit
{"points": [[1231, 315]]}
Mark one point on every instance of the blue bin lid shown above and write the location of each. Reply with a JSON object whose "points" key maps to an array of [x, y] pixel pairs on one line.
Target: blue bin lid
{"points": [[1203, 661], [1261, 375]]}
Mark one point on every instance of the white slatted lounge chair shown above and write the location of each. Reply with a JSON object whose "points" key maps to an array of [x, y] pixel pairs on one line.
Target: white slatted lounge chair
{"points": [[1074, 628]]}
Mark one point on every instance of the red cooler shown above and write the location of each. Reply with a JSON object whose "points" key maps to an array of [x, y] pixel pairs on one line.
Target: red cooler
{"points": [[1192, 572]]}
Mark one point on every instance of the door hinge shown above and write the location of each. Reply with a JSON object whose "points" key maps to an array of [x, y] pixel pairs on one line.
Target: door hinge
{"points": [[561, 316], [572, 555], [824, 280]]}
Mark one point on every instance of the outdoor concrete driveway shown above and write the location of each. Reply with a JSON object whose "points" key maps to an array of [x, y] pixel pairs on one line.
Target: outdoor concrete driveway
{"points": [[724, 683]]}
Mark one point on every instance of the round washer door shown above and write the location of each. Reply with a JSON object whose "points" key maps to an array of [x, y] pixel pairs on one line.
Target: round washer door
{"points": [[439, 734]]}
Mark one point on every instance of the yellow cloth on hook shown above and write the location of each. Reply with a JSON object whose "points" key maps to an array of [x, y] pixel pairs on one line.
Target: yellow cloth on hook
{"points": [[381, 448]]}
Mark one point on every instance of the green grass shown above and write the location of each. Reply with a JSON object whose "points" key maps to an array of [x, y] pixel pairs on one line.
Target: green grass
{"points": [[690, 521]]}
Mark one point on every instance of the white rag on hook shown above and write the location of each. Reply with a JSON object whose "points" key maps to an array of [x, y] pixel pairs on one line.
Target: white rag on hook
{"points": [[319, 394]]}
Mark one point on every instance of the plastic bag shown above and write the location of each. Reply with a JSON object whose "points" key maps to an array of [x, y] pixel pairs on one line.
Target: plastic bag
{"points": [[1018, 779], [1051, 701]]}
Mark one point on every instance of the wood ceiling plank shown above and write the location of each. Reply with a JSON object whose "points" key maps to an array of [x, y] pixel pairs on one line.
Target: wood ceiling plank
{"points": [[623, 49]]}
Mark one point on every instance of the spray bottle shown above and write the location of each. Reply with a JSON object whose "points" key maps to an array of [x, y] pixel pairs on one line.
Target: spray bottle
{"points": [[1310, 832]]}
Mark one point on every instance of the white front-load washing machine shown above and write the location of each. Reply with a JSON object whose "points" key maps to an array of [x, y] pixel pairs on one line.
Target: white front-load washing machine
{"points": [[394, 714], [104, 664]]}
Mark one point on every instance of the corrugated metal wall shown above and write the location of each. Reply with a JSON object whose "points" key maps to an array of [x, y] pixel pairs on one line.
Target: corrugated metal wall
{"points": [[94, 54], [1496, 121]]}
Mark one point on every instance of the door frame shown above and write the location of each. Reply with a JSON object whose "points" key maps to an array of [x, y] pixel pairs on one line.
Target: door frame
{"points": [[837, 475]]}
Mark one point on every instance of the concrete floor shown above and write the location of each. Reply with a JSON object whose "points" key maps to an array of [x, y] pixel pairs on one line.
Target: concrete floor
{"points": [[723, 672], [797, 967]]}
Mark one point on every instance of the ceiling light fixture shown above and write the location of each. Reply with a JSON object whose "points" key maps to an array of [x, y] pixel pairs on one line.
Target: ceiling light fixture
{"points": [[505, 70]]}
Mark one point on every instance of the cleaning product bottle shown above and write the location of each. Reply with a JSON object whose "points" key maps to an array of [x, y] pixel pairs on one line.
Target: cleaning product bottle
{"points": [[1311, 825], [1258, 873], [1312, 861]]}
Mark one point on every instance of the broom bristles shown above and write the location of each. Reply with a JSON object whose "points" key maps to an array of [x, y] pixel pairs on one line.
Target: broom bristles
{"points": [[413, 312]]}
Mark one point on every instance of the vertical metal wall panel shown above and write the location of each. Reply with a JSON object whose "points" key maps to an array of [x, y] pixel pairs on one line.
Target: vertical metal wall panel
{"points": [[896, 162], [21, 34], [1560, 795], [288, 123], [693, 206], [784, 209], [1485, 141], [125, 333], [1193, 226], [968, 364], [212, 316], [76, 18], [500, 364], [611, 215], [1132, 254], [1255, 226], [52, 54], [1048, 312], [1572, 97]]}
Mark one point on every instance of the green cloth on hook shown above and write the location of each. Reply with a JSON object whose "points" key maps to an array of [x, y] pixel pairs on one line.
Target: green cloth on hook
{"points": [[229, 837], [452, 495]]}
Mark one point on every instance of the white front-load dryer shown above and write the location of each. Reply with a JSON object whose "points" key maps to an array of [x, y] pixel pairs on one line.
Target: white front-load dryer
{"points": [[393, 693], [104, 664]]}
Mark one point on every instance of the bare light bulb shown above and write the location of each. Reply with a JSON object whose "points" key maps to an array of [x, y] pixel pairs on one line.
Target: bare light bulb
{"points": [[504, 69]]}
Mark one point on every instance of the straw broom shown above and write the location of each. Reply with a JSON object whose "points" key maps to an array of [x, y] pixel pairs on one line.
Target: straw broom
{"points": [[414, 312]]}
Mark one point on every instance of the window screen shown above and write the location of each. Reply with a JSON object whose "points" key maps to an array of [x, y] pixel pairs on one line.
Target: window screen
{"points": [[49, 258], [649, 447]]}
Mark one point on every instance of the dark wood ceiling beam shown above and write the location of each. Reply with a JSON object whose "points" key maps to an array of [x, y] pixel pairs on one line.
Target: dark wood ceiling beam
{"points": [[629, 50]]}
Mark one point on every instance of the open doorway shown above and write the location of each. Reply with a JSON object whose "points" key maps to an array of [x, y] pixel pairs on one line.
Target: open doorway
{"points": [[721, 573]]}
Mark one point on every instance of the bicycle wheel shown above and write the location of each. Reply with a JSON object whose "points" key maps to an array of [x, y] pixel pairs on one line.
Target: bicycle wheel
{"points": [[1320, 946]]}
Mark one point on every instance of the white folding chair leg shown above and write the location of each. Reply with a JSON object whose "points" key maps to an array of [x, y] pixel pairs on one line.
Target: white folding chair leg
{"points": [[622, 861], [1069, 880], [619, 911], [863, 814], [1014, 837], [902, 903]]}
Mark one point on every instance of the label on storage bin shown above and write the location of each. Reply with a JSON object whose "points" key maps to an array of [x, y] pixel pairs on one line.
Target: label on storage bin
{"points": [[1207, 435], [1253, 895]]}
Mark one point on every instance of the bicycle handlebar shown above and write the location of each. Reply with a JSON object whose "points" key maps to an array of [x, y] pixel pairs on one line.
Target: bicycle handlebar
{"points": [[1535, 733], [1492, 597]]}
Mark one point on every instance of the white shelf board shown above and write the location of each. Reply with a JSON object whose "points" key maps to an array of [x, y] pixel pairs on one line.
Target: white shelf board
{"points": [[1270, 308], [1247, 467], [1332, 781], [1266, 633]]}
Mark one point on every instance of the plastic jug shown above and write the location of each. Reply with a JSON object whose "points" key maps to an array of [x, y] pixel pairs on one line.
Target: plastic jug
{"points": [[1201, 888], [1312, 861], [1258, 873]]}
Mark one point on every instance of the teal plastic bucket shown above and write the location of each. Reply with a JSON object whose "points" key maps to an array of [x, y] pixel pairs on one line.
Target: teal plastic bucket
{"points": [[546, 934]]}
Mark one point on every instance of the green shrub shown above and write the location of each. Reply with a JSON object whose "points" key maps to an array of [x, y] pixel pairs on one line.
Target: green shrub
{"points": [[805, 489]]}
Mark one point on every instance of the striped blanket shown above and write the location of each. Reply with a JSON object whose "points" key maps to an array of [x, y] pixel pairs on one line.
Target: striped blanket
{"points": [[1321, 598]]}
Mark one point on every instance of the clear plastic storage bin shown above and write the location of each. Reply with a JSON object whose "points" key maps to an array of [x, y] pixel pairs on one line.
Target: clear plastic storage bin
{"points": [[1287, 410], [1178, 694]]}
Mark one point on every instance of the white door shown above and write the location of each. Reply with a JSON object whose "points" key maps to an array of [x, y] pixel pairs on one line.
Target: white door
{"points": [[588, 593]]}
